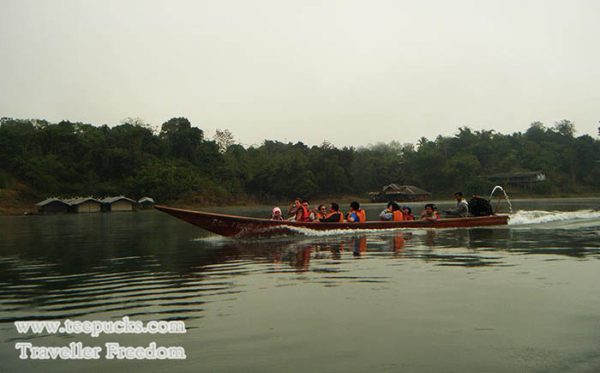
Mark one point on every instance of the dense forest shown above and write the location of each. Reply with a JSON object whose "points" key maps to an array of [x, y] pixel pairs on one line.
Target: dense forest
{"points": [[178, 162]]}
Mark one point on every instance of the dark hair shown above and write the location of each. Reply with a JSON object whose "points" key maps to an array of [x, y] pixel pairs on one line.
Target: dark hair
{"points": [[304, 201], [430, 205], [355, 205], [394, 205], [335, 206], [458, 194], [321, 206], [408, 208]]}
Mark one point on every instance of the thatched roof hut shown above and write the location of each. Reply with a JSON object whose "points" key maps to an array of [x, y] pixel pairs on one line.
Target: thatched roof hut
{"points": [[52, 206], [119, 203], [85, 204], [400, 193], [146, 202]]}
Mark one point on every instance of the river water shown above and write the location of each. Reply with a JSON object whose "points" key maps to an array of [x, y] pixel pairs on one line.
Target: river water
{"points": [[522, 297]]}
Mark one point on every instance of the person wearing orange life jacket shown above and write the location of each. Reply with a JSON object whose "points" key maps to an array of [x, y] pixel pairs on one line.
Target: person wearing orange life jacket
{"points": [[303, 212], [356, 214], [397, 214], [319, 213], [430, 212], [392, 212], [334, 215]]}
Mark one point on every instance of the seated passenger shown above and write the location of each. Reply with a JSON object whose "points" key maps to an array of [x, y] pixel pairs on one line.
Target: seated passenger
{"points": [[303, 212], [276, 214], [392, 213], [462, 206], [319, 213], [334, 215], [430, 212], [293, 209], [407, 212], [356, 214]]}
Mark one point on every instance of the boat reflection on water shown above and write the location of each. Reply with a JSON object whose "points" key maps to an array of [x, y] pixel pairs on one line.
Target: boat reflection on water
{"points": [[429, 246], [466, 247], [299, 253]]}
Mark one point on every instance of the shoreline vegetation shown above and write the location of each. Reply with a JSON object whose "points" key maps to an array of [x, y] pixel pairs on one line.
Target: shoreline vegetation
{"points": [[177, 165]]}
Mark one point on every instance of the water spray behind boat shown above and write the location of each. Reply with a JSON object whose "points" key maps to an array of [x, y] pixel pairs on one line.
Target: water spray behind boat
{"points": [[498, 187]]}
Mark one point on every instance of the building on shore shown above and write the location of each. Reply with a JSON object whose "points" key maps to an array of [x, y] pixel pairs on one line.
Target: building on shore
{"points": [[520, 179], [52, 206], [90, 204], [84, 204], [120, 203], [146, 203], [400, 193]]}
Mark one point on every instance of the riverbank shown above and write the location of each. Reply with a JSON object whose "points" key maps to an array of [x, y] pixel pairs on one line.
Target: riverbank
{"points": [[16, 202]]}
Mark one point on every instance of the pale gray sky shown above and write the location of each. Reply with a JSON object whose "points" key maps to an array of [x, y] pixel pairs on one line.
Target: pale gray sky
{"points": [[351, 72]]}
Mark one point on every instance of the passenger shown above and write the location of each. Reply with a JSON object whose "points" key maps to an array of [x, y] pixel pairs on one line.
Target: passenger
{"points": [[334, 215], [407, 212], [303, 212], [356, 214], [276, 214], [392, 212], [293, 209], [462, 206], [430, 212], [319, 213], [386, 214]]}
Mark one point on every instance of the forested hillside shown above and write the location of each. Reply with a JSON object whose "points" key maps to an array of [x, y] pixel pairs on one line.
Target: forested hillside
{"points": [[179, 162]]}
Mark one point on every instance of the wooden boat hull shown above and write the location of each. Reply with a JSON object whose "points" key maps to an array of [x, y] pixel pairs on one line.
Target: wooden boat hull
{"points": [[239, 226]]}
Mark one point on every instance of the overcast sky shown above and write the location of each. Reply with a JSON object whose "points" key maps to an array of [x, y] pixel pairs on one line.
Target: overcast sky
{"points": [[350, 72]]}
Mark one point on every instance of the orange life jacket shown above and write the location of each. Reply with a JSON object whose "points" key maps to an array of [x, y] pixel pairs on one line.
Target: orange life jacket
{"points": [[305, 214], [362, 215], [397, 215]]}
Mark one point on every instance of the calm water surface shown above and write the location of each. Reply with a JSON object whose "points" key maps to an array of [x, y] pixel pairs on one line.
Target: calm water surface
{"points": [[519, 298]]}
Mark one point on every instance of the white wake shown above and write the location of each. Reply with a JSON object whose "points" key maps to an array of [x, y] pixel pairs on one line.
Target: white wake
{"points": [[523, 217]]}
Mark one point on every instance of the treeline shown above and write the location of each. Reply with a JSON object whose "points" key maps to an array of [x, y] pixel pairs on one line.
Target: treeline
{"points": [[179, 162]]}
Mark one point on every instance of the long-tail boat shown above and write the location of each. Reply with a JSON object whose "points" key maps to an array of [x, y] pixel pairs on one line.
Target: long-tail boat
{"points": [[242, 227]]}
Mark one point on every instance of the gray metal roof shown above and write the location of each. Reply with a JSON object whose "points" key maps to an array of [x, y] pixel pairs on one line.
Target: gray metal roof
{"points": [[50, 200], [111, 200], [80, 200], [146, 199]]}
